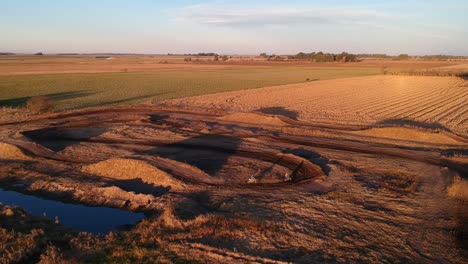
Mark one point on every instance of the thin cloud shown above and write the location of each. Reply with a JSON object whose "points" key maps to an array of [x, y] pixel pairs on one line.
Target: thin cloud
{"points": [[232, 16]]}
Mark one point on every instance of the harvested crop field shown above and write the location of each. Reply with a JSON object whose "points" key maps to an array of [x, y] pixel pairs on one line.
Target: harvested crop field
{"points": [[438, 103], [218, 186], [83, 81], [80, 90]]}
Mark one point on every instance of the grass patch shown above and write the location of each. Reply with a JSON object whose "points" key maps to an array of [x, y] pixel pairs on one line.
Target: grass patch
{"points": [[428, 72], [72, 91]]}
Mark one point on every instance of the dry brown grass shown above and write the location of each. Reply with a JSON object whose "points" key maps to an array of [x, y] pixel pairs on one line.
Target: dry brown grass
{"points": [[11, 152], [15, 245], [397, 182], [52, 255], [126, 169], [24, 237], [458, 189]]}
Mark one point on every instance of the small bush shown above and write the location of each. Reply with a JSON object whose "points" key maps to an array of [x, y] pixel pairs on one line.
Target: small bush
{"points": [[40, 104]]}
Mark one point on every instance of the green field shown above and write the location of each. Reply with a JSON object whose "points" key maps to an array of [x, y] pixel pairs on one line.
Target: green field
{"points": [[71, 91]]}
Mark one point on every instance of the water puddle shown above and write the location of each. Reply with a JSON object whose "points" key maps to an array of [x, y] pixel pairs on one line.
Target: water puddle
{"points": [[98, 220]]}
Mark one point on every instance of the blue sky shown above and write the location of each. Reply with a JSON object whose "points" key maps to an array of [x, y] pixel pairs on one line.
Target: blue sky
{"points": [[235, 27]]}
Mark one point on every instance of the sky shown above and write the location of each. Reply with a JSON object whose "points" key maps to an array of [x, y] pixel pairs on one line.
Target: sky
{"points": [[416, 27]]}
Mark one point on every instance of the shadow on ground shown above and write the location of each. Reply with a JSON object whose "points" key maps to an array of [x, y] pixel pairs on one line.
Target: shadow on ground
{"points": [[279, 111], [57, 139], [311, 156], [206, 152], [139, 187], [21, 101], [411, 123], [158, 118], [129, 100], [193, 205]]}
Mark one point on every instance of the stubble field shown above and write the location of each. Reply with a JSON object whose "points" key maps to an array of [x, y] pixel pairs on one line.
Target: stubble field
{"points": [[426, 102]]}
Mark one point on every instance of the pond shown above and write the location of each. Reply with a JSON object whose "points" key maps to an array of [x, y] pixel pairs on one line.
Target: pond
{"points": [[98, 220]]}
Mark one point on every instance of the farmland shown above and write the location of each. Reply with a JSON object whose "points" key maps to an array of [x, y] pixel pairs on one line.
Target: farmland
{"points": [[237, 162], [99, 89], [433, 102], [82, 81]]}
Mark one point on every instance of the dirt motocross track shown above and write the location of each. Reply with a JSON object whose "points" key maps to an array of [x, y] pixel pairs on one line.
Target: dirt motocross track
{"points": [[323, 194]]}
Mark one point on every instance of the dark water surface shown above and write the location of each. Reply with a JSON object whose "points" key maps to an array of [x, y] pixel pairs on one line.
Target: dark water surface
{"points": [[79, 217]]}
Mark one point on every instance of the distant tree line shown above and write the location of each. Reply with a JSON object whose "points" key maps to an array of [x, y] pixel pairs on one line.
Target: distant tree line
{"points": [[210, 54], [6, 53], [223, 58], [273, 57], [216, 57], [374, 55], [325, 57]]}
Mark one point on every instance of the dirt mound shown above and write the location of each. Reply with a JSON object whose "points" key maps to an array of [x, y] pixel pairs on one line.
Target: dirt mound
{"points": [[254, 118], [127, 169], [8, 151], [302, 169], [408, 134]]}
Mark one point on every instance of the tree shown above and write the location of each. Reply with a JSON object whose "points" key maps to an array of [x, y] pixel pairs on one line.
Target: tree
{"points": [[263, 55], [325, 57], [403, 56], [224, 58]]}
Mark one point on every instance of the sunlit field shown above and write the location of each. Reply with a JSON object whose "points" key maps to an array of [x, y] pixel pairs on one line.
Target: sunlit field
{"points": [[71, 91]]}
